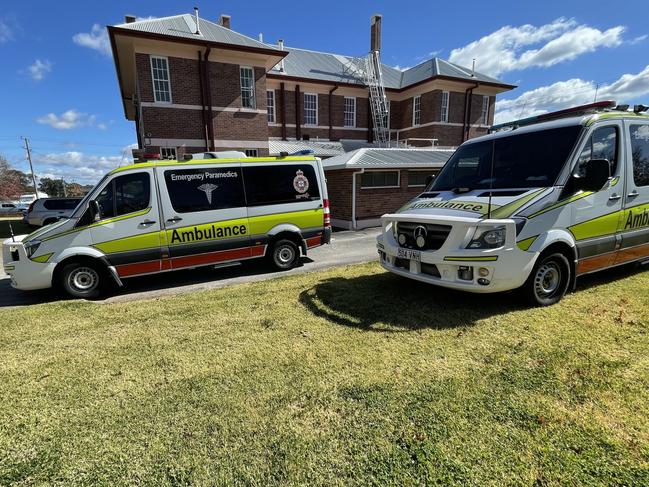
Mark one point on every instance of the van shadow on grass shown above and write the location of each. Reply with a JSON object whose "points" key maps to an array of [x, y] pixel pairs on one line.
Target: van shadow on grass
{"points": [[385, 302]]}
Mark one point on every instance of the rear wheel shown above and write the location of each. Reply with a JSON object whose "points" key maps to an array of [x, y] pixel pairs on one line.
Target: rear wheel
{"points": [[284, 255], [83, 280], [549, 280]]}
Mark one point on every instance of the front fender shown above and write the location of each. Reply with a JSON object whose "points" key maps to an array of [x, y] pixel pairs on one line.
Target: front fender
{"points": [[556, 235], [80, 251]]}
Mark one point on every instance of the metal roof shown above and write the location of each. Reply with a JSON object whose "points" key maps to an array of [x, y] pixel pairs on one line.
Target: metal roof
{"points": [[184, 26], [320, 149], [389, 159]]}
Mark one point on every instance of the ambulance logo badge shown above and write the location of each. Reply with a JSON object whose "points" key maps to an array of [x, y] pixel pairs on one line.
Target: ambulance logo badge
{"points": [[208, 189], [300, 182]]}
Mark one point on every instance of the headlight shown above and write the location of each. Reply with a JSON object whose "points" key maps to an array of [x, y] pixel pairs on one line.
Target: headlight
{"points": [[31, 247], [487, 238]]}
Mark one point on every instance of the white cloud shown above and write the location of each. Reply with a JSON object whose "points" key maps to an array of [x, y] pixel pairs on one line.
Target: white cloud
{"points": [[516, 48], [70, 119], [39, 69], [638, 40], [96, 39], [6, 32], [564, 94]]}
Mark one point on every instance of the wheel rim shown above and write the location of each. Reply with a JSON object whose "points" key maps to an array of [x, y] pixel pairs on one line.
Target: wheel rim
{"points": [[285, 254], [547, 280], [83, 279]]}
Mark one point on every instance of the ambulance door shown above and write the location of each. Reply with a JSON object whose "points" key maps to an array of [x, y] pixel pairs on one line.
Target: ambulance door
{"points": [[634, 224], [204, 214], [128, 229]]}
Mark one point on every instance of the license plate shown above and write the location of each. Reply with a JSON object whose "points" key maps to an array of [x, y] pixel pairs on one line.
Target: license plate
{"points": [[409, 254]]}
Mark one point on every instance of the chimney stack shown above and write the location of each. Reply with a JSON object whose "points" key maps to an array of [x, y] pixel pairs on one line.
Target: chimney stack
{"points": [[129, 19], [196, 19], [280, 44], [375, 32], [224, 21]]}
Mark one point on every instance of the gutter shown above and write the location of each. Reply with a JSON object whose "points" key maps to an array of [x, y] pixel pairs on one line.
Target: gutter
{"points": [[354, 196], [468, 95], [201, 82], [208, 91], [331, 123]]}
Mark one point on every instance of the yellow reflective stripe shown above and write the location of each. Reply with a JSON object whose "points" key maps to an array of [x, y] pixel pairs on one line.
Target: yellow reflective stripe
{"points": [[9, 267], [247, 160], [597, 227], [527, 243], [42, 258], [613, 116], [490, 258], [561, 203], [634, 217], [614, 181], [510, 208], [260, 225], [137, 242]]}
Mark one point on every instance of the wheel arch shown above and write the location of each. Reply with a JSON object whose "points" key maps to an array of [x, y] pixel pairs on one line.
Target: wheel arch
{"points": [[83, 255], [287, 231], [557, 240]]}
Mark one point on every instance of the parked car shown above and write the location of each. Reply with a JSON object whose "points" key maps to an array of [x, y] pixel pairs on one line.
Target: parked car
{"points": [[555, 197], [44, 211], [162, 216], [10, 209]]}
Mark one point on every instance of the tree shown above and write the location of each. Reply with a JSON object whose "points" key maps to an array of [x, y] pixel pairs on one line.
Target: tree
{"points": [[53, 187], [10, 182]]}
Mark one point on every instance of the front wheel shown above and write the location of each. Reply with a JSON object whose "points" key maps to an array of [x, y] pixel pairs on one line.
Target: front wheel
{"points": [[284, 255], [83, 280], [549, 280]]}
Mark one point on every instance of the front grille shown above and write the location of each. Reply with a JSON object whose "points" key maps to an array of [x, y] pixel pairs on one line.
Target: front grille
{"points": [[433, 237]]}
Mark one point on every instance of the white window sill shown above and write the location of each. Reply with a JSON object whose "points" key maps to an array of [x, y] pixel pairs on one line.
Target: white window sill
{"points": [[380, 187]]}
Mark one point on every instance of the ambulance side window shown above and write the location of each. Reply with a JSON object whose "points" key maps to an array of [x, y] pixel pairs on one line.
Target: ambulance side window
{"points": [[602, 144], [125, 194], [275, 185], [640, 154], [205, 189]]}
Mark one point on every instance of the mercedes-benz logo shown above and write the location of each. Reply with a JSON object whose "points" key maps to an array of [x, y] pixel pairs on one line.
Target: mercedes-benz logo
{"points": [[420, 235]]}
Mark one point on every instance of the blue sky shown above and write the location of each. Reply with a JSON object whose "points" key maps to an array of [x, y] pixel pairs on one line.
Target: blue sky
{"points": [[60, 89]]}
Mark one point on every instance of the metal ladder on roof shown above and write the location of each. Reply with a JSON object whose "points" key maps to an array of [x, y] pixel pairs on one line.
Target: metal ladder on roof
{"points": [[378, 100]]}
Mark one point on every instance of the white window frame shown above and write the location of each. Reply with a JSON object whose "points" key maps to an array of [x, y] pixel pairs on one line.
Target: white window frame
{"points": [[351, 99], [304, 109], [154, 79], [270, 114], [484, 116], [444, 106], [251, 152], [398, 185], [172, 149], [253, 94], [416, 111], [427, 171]]}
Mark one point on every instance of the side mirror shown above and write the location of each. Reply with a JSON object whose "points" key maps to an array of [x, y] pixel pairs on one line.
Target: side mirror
{"points": [[598, 171], [95, 210]]}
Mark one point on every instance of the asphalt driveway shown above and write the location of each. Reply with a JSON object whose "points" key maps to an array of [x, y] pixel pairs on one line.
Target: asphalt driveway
{"points": [[346, 248]]}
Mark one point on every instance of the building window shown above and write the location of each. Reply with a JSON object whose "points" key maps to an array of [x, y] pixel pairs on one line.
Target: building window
{"points": [[484, 117], [160, 77], [350, 111], [168, 153], [247, 76], [444, 113], [310, 109], [251, 152], [418, 178], [380, 179], [416, 110], [640, 153], [270, 105]]}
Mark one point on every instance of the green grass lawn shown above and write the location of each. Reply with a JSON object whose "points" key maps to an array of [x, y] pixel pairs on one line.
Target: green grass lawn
{"points": [[17, 224], [351, 376]]}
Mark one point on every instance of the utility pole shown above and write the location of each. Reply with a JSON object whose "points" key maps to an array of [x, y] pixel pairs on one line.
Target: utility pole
{"points": [[596, 90], [31, 167]]}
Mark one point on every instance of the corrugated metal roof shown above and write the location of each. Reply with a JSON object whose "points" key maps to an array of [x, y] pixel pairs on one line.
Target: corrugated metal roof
{"points": [[388, 158], [320, 149], [184, 26]]}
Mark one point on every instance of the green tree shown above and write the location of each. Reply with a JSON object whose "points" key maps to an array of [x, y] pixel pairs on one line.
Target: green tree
{"points": [[53, 187]]}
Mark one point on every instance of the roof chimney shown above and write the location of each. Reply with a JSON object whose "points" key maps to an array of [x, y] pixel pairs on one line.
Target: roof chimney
{"points": [[280, 44], [473, 69], [197, 20], [224, 20], [261, 37], [129, 19], [375, 32]]}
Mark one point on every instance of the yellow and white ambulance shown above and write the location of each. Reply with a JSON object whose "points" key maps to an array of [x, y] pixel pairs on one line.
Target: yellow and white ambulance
{"points": [[161, 216], [533, 207]]}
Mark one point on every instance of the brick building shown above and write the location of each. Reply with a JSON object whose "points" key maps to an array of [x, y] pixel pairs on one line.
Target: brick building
{"points": [[192, 85]]}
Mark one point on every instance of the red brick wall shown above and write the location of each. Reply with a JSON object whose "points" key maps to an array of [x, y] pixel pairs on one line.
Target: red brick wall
{"points": [[339, 186]]}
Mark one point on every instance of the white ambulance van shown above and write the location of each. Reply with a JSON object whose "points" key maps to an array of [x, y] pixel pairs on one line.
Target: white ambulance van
{"points": [[533, 207], [162, 216]]}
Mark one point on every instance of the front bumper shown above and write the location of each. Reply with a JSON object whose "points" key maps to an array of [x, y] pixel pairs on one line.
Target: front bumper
{"points": [[24, 273], [452, 265]]}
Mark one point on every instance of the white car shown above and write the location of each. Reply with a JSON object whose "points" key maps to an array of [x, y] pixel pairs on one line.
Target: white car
{"points": [[10, 209], [44, 211]]}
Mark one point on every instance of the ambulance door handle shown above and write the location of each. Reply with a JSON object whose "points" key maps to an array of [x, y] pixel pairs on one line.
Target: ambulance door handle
{"points": [[146, 223], [175, 219], [614, 197], [632, 194]]}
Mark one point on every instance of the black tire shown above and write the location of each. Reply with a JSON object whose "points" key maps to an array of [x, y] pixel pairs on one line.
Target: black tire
{"points": [[549, 280], [83, 279], [284, 255]]}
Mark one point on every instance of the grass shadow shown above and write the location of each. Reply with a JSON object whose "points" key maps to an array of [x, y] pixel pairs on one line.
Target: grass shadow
{"points": [[385, 302]]}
